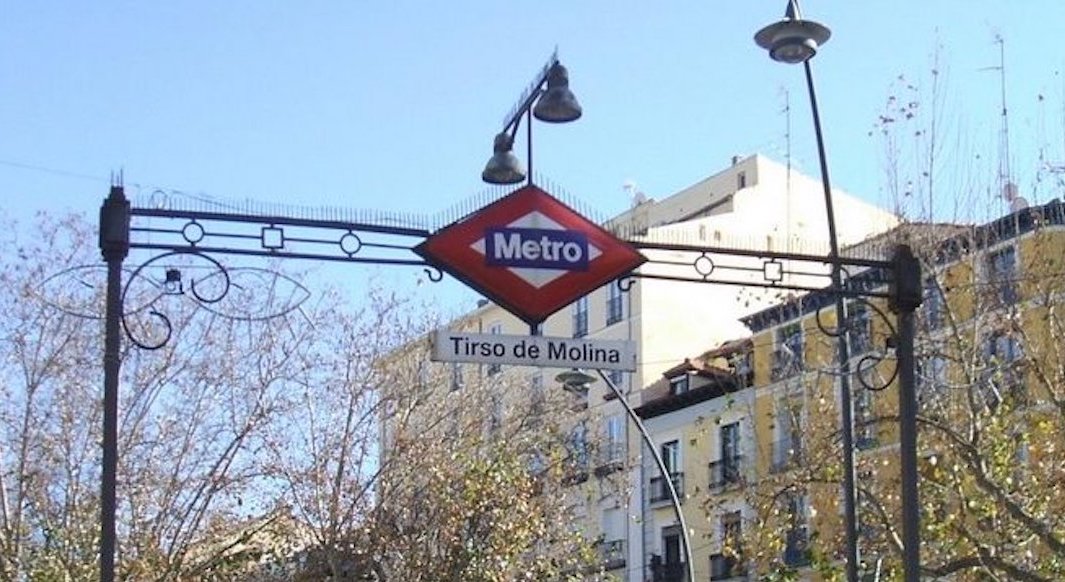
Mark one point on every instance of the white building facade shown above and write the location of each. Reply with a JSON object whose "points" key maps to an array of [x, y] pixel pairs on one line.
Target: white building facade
{"points": [[754, 203]]}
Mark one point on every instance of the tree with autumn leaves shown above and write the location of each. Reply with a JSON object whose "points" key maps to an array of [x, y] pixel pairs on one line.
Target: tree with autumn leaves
{"points": [[991, 385], [249, 449]]}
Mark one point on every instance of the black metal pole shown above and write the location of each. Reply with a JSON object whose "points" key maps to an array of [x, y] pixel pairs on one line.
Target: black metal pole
{"points": [[114, 246], [906, 297], [850, 510], [666, 477], [528, 148]]}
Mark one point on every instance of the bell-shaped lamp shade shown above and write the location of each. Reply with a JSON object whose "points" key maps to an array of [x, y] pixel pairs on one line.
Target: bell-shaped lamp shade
{"points": [[557, 104], [503, 167], [792, 41], [575, 380]]}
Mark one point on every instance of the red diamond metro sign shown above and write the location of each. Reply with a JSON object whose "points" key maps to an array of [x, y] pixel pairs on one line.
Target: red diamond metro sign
{"points": [[529, 253]]}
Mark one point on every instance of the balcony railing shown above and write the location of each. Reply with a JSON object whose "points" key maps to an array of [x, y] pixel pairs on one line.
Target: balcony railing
{"points": [[864, 442], [724, 567], [669, 572], [610, 458], [787, 454], [725, 472], [785, 364], [612, 554], [659, 491]]}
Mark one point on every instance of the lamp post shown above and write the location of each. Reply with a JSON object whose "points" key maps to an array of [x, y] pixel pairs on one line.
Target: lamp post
{"points": [[577, 380], [793, 41], [554, 103]]}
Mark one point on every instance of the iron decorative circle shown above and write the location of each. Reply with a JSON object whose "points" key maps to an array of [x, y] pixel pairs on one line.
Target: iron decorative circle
{"points": [[350, 243], [704, 265], [193, 232]]}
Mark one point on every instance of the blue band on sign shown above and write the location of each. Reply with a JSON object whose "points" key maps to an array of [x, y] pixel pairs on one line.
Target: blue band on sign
{"points": [[538, 248]]}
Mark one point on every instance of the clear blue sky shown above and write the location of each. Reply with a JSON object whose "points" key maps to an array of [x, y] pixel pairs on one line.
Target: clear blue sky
{"points": [[394, 104]]}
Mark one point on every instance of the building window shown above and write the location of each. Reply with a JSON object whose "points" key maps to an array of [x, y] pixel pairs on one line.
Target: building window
{"points": [[617, 377], [731, 531], [933, 308], [614, 304], [537, 396], [672, 567], [787, 448], [456, 377], [729, 562], [797, 536], [742, 365], [679, 384], [727, 469], [659, 490], [671, 456], [612, 548], [1002, 273], [859, 328], [788, 355], [495, 328], [495, 413], [577, 469], [864, 424], [614, 443], [1003, 375], [580, 317], [931, 375], [741, 180]]}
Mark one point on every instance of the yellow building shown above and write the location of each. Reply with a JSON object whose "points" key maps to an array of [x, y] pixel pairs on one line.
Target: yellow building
{"points": [[753, 429]]}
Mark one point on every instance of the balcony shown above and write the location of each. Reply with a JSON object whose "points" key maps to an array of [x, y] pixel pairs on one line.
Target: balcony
{"points": [[723, 567], [612, 554], [575, 470], [659, 491], [797, 547], [726, 472], [786, 364], [610, 458], [669, 572], [787, 454], [864, 442]]}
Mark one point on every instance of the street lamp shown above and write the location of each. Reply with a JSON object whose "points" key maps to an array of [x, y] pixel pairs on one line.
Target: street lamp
{"points": [[578, 381], [793, 41], [554, 103]]}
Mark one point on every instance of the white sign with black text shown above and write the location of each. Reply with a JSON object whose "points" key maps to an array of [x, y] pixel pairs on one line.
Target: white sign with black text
{"points": [[539, 351]]}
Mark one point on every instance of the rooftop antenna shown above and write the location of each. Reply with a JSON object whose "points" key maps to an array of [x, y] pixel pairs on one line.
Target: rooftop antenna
{"points": [[787, 157], [636, 196], [1006, 188]]}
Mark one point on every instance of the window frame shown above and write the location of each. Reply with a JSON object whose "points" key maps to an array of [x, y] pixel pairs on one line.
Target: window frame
{"points": [[580, 317]]}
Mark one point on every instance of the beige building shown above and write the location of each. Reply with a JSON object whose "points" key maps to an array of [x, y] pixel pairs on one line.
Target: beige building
{"points": [[754, 204]]}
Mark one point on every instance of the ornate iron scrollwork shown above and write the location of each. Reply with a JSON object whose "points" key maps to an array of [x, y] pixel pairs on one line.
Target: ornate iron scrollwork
{"points": [[871, 361]]}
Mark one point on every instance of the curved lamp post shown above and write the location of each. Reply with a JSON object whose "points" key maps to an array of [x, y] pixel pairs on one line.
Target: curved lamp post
{"points": [[793, 41], [578, 381], [554, 103]]}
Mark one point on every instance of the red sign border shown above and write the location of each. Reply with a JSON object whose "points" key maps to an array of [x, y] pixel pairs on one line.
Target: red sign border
{"points": [[496, 283]]}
